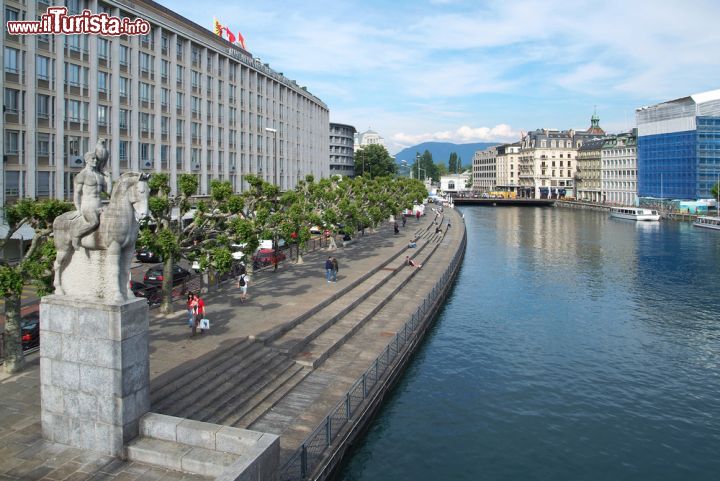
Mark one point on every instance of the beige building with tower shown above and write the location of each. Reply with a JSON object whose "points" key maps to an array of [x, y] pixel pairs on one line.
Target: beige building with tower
{"points": [[548, 160]]}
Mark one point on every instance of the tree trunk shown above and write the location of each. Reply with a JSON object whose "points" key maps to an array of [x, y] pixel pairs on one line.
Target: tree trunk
{"points": [[167, 285], [205, 282], [14, 358], [299, 255]]}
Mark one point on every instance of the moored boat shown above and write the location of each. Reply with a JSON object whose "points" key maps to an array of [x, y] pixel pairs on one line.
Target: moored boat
{"points": [[707, 222], [634, 213]]}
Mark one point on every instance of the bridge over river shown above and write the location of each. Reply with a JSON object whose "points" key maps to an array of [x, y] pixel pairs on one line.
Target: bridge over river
{"points": [[504, 202]]}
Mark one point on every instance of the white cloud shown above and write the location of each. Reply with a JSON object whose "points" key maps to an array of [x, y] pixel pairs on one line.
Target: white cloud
{"points": [[445, 63], [462, 135]]}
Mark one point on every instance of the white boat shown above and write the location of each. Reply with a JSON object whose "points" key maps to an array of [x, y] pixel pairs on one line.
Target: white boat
{"points": [[634, 213], [708, 222]]}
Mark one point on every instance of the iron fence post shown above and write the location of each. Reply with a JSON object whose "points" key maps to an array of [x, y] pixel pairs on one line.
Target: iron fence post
{"points": [[303, 461], [328, 431]]}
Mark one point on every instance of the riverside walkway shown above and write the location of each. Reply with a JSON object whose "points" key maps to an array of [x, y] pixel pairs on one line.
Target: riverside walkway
{"points": [[277, 363]]}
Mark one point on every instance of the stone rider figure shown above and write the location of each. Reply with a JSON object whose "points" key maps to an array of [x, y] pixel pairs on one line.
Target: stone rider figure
{"points": [[90, 183]]}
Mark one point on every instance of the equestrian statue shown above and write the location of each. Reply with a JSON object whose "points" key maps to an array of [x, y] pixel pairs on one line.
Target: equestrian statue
{"points": [[95, 243]]}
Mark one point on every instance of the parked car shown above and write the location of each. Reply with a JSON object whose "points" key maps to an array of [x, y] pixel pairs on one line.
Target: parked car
{"points": [[316, 229], [151, 293], [267, 257], [154, 275], [146, 255], [30, 326]]}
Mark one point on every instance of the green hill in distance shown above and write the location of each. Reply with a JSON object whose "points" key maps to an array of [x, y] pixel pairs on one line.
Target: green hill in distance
{"points": [[441, 151]]}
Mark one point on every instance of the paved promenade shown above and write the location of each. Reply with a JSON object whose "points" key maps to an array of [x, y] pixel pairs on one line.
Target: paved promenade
{"points": [[276, 363]]}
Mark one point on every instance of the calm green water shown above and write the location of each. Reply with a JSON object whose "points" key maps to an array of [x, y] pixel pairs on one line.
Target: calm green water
{"points": [[572, 347]]}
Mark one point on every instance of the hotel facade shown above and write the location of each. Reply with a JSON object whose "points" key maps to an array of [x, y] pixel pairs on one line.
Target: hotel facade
{"points": [[177, 100]]}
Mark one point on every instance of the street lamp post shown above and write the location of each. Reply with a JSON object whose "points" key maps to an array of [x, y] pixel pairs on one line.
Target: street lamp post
{"points": [[275, 156], [417, 162]]}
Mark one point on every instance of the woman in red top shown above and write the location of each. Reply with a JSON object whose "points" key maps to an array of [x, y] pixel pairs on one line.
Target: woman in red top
{"points": [[191, 309], [199, 312]]}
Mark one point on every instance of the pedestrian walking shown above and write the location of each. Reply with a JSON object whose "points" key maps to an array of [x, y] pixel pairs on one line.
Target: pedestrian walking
{"points": [[335, 269], [191, 309], [199, 314], [396, 228], [404, 220], [417, 215], [243, 281], [328, 269]]}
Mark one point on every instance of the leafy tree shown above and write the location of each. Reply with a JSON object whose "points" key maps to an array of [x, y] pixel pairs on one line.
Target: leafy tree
{"points": [[163, 235], [375, 161], [453, 163], [428, 169], [441, 170], [714, 191], [36, 267]]}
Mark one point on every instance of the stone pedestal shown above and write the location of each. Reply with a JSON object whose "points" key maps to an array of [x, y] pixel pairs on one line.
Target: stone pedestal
{"points": [[94, 372]]}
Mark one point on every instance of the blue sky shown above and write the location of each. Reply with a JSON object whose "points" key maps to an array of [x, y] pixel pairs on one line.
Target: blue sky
{"points": [[472, 71]]}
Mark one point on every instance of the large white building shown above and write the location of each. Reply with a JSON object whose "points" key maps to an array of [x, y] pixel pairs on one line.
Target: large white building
{"points": [[179, 100], [484, 169], [619, 169], [506, 172], [455, 183], [369, 137]]}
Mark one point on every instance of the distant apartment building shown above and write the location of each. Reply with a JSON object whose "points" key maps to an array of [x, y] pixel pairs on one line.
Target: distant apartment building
{"points": [[588, 172], [506, 170], [484, 169], [369, 137], [678, 148], [177, 100], [547, 160], [619, 169], [342, 152]]}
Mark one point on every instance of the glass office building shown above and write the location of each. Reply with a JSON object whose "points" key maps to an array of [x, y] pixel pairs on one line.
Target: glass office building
{"points": [[679, 147]]}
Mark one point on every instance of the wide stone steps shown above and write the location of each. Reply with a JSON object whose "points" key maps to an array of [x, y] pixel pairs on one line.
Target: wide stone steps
{"points": [[214, 392], [198, 384], [235, 392], [264, 400], [294, 341], [324, 345], [165, 387], [272, 335]]}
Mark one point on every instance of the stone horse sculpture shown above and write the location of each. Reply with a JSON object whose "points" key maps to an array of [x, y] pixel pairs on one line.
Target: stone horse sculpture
{"points": [[99, 268]]}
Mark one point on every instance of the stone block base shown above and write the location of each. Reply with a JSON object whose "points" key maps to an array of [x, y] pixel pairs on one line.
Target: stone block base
{"points": [[94, 372]]}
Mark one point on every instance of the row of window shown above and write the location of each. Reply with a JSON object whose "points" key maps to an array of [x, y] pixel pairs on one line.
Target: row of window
{"points": [[13, 143]]}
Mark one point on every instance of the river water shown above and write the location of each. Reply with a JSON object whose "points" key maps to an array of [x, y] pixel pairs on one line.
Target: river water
{"points": [[572, 347]]}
